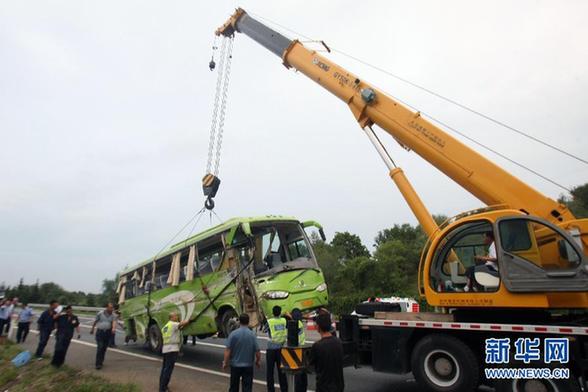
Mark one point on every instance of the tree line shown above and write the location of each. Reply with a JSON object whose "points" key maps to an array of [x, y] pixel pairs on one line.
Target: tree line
{"points": [[44, 292]]}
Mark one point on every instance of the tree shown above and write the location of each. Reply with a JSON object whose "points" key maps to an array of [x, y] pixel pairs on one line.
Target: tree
{"points": [[35, 293], [109, 287], [404, 233], [578, 202], [349, 246]]}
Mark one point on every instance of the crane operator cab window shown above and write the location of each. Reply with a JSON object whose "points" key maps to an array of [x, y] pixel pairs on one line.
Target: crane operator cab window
{"points": [[466, 260], [526, 254], [538, 256]]}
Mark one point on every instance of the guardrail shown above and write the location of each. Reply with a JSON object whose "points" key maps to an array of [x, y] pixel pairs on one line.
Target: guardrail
{"points": [[75, 307]]}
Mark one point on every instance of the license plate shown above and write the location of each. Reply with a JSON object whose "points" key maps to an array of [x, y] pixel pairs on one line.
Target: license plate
{"points": [[307, 303]]}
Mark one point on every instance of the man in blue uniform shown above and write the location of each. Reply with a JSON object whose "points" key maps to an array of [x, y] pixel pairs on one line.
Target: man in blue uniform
{"points": [[45, 324], [66, 322]]}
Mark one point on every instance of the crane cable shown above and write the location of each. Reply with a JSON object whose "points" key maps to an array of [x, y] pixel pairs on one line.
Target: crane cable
{"points": [[211, 181], [465, 107], [453, 102]]}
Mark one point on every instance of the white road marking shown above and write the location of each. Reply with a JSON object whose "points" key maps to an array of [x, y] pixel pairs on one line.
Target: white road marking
{"points": [[178, 364], [218, 346]]}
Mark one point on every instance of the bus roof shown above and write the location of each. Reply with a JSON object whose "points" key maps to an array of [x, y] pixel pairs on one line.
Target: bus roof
{"points": [[225, 226]]}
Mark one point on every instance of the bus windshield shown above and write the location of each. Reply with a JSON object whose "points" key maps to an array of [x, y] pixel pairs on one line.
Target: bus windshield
{"points": [[280, 247]]}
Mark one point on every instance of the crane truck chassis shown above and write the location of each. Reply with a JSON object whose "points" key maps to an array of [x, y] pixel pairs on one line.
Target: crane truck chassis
{"points": [[445, 354]]}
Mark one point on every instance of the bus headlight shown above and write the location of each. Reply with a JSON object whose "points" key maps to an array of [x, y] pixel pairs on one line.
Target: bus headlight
{"points": [[276, 294], [321, 287]]}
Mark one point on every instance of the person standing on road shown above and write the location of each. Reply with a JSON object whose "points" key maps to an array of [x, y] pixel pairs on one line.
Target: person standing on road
{"points": [[172, 338], [105, 324], [241, 349], [327, 357], [5, 313], [45, 324], [66, 322], [278, 334], [24, 322]]}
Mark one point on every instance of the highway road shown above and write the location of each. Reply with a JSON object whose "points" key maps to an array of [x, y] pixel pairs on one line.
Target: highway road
{"points": [[206, 357]]}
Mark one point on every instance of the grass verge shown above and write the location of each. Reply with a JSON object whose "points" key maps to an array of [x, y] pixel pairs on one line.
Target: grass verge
{"points": [[40, 376]]}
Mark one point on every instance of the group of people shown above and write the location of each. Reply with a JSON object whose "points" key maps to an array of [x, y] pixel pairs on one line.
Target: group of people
{"points": [[25, 316], [65, 323], [242, 353], [326, 354]]}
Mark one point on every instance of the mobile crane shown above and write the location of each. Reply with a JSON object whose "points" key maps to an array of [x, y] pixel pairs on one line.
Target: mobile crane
{"points": [[541, 286]]}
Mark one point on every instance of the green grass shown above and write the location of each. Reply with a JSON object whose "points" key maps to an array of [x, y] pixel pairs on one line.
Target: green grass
{"points": [[42, 377]]}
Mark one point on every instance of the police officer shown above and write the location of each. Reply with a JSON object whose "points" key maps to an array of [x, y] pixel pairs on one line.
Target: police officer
{"points": [[277, 334], [172, 339], [66, 323], [45, 324]]}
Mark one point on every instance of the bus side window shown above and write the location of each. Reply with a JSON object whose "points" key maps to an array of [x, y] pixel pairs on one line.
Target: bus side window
{"points": [[184, 266], [145, 280], [215, 260], [162, 272], [203, 265], [210, 257], [130, 289]]}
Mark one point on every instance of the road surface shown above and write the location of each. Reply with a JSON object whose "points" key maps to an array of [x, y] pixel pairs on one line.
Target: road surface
{"points": [[201, 363]]}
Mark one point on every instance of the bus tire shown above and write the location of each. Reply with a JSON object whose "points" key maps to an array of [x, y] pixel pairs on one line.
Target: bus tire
{"points": [[155, 338], [229, 322], [442, 363]]}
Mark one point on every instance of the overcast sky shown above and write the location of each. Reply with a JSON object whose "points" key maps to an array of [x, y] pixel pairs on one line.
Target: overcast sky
{"points": [[105, 110]]}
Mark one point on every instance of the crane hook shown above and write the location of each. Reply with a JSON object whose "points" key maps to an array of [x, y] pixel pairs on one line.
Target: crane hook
{"points": [[210, 184], [209, 203]]}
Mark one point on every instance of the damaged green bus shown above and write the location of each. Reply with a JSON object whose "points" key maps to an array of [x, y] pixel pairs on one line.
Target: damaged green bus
{"points": [[245, 265]]}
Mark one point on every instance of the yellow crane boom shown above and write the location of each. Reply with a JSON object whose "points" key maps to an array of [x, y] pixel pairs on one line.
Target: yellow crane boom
{"points": [[481, 177]]}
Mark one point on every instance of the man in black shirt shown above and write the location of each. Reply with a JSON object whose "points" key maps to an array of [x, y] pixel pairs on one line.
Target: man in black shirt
{"points": [[66, 323], [45, 324], [327, 358]]}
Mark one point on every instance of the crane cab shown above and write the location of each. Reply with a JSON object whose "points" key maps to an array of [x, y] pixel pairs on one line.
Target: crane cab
{"points": [[505, 259]]}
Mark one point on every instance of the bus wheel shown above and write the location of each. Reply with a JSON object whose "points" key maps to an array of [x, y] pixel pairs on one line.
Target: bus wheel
{"points": [[229, 322], [442, 363], [155, 338]]}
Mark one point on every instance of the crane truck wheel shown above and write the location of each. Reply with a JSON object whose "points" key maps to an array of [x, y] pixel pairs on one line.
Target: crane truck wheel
{"points": [[155, 338], [442, 363]]}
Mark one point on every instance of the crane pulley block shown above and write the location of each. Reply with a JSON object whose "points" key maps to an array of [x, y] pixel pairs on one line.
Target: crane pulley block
{"points": [[210, 185]]}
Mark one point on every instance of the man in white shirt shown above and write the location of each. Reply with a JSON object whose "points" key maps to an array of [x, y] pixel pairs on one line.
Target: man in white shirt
{"points": [[487, 262], [5, 313], [490, 259]]}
